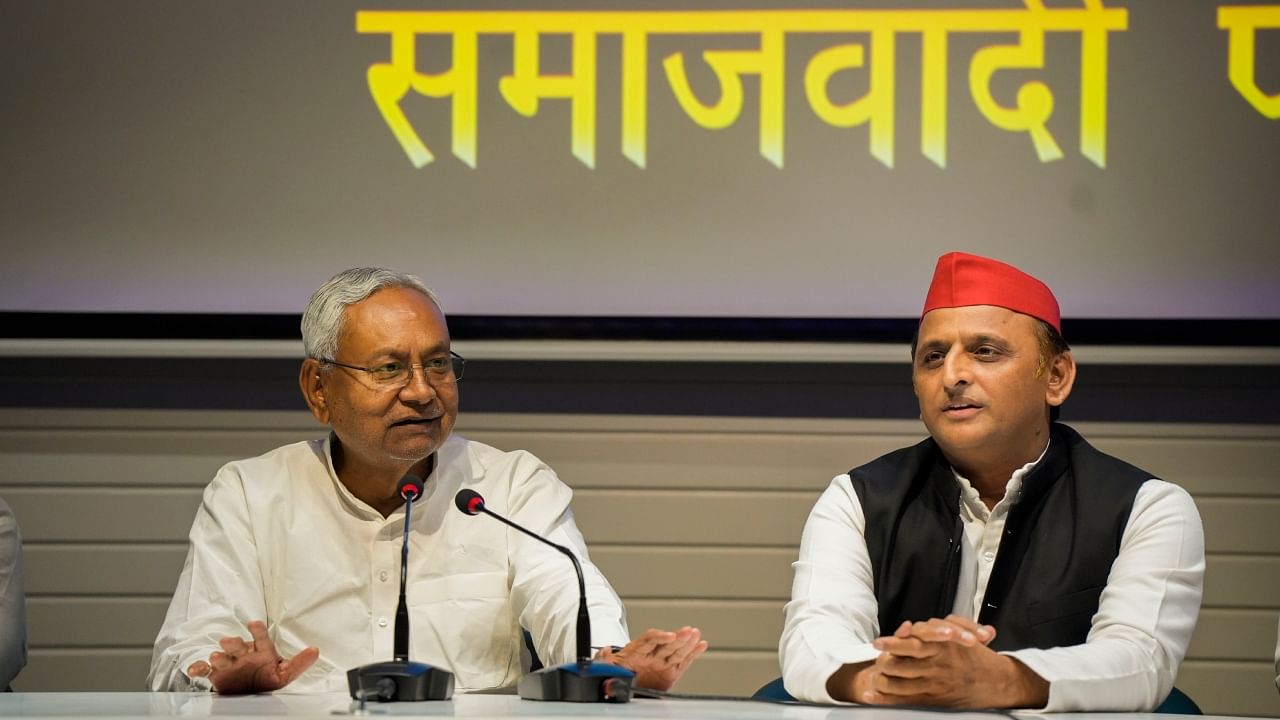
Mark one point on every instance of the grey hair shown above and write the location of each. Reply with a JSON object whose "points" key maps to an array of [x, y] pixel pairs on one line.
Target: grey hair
{"points": [[325, 311]]}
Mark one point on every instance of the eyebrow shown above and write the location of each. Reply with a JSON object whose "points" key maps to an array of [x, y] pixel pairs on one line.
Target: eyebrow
{"points": [[395, 351], [980, 339]]}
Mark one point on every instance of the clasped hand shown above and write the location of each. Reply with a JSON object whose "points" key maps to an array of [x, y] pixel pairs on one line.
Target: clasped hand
{"points": [[946, 662]]}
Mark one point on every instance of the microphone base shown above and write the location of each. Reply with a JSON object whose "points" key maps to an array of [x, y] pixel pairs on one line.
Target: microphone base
{"points": [[400, 681], [574, 682]]}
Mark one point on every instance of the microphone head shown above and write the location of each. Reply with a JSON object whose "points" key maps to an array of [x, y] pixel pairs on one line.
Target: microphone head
{"points": [[411, 487], [469, 501]]}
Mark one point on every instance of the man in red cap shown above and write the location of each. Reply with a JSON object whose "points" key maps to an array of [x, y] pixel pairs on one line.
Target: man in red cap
{"points": [[1002, 562]]}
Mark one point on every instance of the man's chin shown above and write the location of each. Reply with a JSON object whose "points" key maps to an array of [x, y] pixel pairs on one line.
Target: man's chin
{"points": [[413, 452]]}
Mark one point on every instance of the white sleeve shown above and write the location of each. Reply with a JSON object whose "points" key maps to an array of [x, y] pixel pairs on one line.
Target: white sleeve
{"points": [[832, 617], [13, 613], [544, 587], [1145, 616], [1278, 657], [219, 591]]}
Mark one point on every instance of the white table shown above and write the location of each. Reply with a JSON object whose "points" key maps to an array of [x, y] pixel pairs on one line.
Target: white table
{"points": [[478, 706]]}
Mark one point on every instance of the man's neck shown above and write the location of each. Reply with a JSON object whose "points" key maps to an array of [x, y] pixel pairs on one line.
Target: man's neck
{"points": [[378, 486], [991, 476]]}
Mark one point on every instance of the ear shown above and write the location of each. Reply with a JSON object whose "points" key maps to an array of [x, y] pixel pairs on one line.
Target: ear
{"points": [[311, 382], [1062, 377]]}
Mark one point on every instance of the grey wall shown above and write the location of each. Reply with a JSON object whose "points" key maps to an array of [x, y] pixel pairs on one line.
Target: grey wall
{"points": [[106, 495]]}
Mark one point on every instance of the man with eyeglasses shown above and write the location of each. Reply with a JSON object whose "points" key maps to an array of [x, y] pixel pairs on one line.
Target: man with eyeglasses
{"points": [[300, 547]]}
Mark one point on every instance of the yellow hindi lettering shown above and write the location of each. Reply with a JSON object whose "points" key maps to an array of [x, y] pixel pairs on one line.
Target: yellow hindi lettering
{"points": [[1242, 23], [526, 85], [1034, 101], [874, 108], [523, 88], [729, 67], [390, 82]]}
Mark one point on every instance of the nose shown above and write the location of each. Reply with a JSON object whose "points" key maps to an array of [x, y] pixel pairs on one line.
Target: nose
{"points": [[957, 370], [418, 388]]}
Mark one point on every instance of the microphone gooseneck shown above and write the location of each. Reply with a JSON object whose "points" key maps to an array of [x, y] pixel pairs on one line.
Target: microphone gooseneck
{"points": [[580, 681], [471, 502], [410, 489], [401, 679]]}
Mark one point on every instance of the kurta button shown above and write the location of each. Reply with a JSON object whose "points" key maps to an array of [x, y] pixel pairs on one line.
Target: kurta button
{"points": [[988, 556], [382, 622], [382, 576]]}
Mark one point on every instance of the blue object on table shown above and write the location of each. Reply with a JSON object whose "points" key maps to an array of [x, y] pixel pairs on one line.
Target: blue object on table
{"points": [[773, 691], [1179, 703]]}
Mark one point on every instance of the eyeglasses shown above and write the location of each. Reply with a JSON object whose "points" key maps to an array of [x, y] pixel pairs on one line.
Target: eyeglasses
{"points": [[395, 374]]}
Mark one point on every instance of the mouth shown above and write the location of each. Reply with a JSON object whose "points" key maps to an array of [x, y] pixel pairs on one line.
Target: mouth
{"points": [[961, 407], [415, 422]]}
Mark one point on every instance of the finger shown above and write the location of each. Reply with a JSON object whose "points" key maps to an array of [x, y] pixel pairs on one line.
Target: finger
{"points": [[905, 668], [684, 651], [219, 661], [261, 640], [910, 647], [290, 669], [904, 630], [232, 645], [894, 687], [698, 649], [199, 668], [604, 654], [864, 686], [983, 633], [937, 630], [648, 643]]}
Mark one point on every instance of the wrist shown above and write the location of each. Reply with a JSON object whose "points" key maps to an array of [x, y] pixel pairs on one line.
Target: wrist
{"points": [[850, 682], [1024, 688]]}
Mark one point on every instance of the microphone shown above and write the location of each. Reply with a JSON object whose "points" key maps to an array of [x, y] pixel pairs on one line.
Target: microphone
{"points": [[400, 679], [580, 681]]}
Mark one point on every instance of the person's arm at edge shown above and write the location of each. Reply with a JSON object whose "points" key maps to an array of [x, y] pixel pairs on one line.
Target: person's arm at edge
{"points": [[1145, 616], [831, 619], [13, 613]]}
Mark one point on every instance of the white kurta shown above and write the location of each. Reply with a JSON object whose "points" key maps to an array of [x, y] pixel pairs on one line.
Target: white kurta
{"points": [[1136, 641], [278, 538]]}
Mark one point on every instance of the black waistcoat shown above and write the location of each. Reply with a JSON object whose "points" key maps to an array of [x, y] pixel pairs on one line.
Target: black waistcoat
{"points": [[1060, 539]]}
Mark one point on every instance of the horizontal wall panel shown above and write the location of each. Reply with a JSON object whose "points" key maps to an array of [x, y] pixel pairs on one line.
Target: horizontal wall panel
{"points": [[134, 621], [104, 514], [734, 518], [94, 621], [151, 457], [103, 569], [1228, 634], [84, 671], [725, 624], [1239, 525], [58, 514], [1231, 688], [1249, 582], [732, 673], [699, 461], [752, 573], [650, 572], [1216, 463], [636, 572]]}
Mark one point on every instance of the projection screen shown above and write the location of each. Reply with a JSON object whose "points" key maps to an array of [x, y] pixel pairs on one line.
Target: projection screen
{"points": [[700, 159]]}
